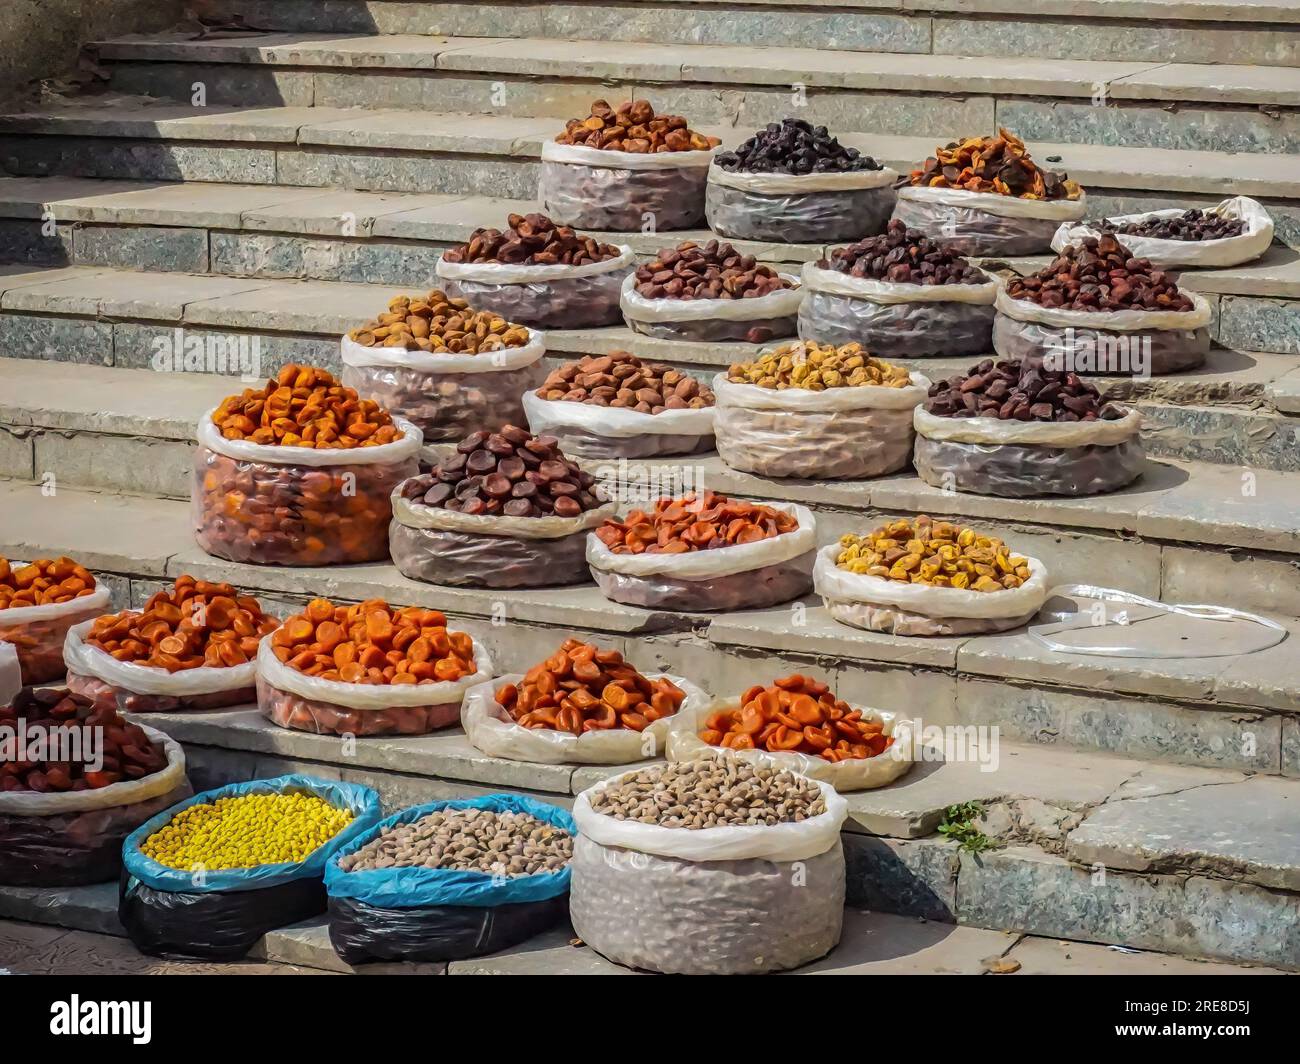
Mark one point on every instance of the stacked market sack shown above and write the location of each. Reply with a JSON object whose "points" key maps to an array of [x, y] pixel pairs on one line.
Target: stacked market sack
{"points": [[581, 705], [450, 880], [819, 412], [625, 169], [367, 669], [210, 876], [39, 602], [539, 273], [1097, 308], [299, 472], [925, 578], [193, 646], [75, 781], [986, 196], [507, 509], [795, 183], [899, 295], [448, 367], [705, 552], [709, 867], [1018, 428]]}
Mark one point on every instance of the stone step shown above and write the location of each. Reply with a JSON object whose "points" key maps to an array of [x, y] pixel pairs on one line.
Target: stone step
{"points": [[1147, 103], [1235, 713]]}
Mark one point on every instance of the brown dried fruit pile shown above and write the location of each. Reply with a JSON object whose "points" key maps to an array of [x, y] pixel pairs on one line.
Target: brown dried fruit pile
{"points": [[694, 523], [439, 324], [1100, 273], [620, 379], [633, 127], [706, 271], [998, 164], [531, 240]]}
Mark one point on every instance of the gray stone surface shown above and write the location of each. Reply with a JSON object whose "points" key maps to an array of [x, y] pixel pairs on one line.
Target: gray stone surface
{"points": [[151, 160], [1259, 324], [912, 878], [76, 340], [153, 248], [367, 261], [1046, 956], [115, 463]]}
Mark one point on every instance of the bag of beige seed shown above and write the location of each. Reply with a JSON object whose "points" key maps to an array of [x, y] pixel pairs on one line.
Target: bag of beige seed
{"points": [[737, 899]]}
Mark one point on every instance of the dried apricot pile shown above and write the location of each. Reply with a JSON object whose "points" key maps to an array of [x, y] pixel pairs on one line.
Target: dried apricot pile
{"points": [[693, 523], [1000, 165], [43, 582], [937, 553]]}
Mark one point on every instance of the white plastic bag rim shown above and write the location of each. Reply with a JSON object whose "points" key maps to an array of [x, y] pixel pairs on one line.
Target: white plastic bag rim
{"points": [[408, 446], [11, 673], [1060, 210], [807, 401], [779, 304], [500, 361], [991, 430], [581, 155], [546, 415], [98, 599], [832, 282], [1108, 320], [513, 273], [801, 184], [413, 514]]}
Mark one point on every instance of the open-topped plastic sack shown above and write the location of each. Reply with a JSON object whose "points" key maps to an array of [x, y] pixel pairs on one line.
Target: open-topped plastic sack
{"points": [[37, 633], [585, 430], [811, 208], [755, 321], [986, 223]]}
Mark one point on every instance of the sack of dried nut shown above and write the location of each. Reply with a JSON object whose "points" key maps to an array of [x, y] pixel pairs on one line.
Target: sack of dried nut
{"points": [[705, 552], [811, 410], [986, 196], [618, 167], [710, 292], [1099, 309], [299, 472], [367, 669], [900, 295], [921, 577], [1019, 428], [39, 602], [617, 406], [446, 366], [192, 646], [582, 704], [539, 273], [507, 509]]}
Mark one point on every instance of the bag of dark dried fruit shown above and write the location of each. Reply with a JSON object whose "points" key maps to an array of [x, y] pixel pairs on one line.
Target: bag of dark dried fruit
{"points": [[900, 295], [539, 273], [680, 868], [795, 183], [626, 169], [1017, 428], [1099, 309], [710, 292]]}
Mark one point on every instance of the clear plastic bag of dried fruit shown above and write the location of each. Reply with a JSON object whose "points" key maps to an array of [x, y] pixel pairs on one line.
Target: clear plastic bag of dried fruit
{"points": [[736, 577], [619, 191], [1021, 459], [36, 633], [272, 505], [985, 223], [708, 901], [447, 396], [799, 208], [837, 433], [896, 320], [585, 430], [543, 296], [438, 546], [292, 699], [751, 321], [878, 604], [1117, 343]]}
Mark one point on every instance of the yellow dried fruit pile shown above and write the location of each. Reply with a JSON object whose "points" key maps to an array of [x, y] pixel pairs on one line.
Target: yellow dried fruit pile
{"points": [[937, 553], [815, 367]]}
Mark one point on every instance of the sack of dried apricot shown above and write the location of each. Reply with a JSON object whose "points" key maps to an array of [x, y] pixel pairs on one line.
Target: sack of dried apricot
{"points": [[39, 602], [299, 472], [192, 646], [367, 669], [925, 577]]}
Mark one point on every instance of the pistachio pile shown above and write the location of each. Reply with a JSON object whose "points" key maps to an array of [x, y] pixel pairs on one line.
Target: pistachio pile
{"points": [[937, 553], [438, 323], [815, 367]]}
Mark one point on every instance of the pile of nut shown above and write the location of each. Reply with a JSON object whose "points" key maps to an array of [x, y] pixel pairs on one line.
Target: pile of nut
{"points": [[693, 523], [372, 643], [195, 623], [509, 473], [43, 582], [903, 256], [1193, 224], [620, 379], [582, 688], [123, 751], [793, 146], [710, 793], [304, 407], [797, 714], [713, 270], [1100, 273], [467, 840], [531, 240], [1019, 390], [993, 164], [808, 365], [439, 324], [633, 127], [936, 553]]}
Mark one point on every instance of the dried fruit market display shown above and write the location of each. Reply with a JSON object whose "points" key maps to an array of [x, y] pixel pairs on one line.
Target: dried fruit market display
{"points": [[39, 602]]}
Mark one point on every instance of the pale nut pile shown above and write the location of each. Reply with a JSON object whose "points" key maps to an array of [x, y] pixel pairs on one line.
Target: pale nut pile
{"points": [[710, 793], [936, 553], [467, 840], [439, 324], [811, 366]]}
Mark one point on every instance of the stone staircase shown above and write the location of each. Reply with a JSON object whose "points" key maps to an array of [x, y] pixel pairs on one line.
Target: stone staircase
{"points": [[1145, 803]]}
